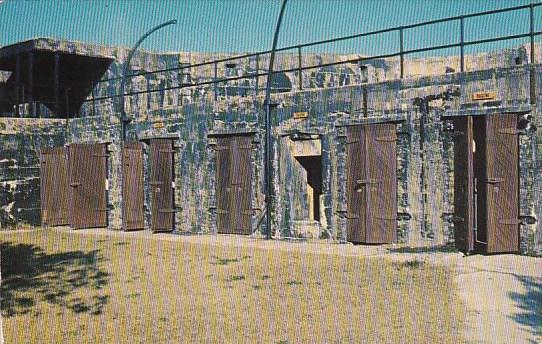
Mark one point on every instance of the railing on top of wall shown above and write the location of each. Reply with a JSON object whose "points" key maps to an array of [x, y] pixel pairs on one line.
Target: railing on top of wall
{"points": [[461, 43]]}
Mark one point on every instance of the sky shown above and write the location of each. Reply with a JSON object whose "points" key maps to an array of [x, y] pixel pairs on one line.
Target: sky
{"points": [[248, 25]]}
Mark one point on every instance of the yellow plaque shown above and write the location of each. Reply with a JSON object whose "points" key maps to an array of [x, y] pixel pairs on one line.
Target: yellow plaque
{"points": [[300, 115], [158, 125], [484, 95]]}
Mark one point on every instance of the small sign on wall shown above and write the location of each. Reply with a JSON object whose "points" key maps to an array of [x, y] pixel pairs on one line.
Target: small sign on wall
{"points": [[301, 115], [484, 95]]}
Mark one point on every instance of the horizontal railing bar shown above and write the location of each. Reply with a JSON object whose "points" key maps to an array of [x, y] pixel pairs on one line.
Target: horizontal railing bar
{"points": [[360, 59], [337, 39]]}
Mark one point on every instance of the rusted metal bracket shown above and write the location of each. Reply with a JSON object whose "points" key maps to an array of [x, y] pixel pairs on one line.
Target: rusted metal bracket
{"points": [[493, 180]]}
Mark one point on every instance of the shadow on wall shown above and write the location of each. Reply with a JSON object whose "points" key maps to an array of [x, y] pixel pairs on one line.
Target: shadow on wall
{"points": [[31, 276], [530, 303]]}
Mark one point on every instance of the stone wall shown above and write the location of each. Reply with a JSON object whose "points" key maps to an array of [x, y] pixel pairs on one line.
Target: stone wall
{"points": [[20, 143], [421, 107], [425, 150]]}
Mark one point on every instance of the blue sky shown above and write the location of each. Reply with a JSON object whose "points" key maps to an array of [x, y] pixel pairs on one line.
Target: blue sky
{"points": [[247, 25]]}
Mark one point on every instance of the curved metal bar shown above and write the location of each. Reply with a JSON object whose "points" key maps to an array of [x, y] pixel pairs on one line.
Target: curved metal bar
{"points": [[268, 157], [124, 120]]}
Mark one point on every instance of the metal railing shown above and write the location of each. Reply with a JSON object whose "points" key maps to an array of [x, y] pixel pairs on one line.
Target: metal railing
{"points": [[461, 43]]}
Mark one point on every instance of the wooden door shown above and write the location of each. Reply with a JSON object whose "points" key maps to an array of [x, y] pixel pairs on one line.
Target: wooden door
{"points": [[356, 191], [234, 184], [372, 183], [501, 184], [161, 185], [463, 183], [54, 189], [133, 216], [88, 174]]}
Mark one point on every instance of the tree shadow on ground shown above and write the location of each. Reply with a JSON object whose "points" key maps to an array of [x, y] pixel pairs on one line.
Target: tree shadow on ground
{"points": [[530, 303], [31, 276]]}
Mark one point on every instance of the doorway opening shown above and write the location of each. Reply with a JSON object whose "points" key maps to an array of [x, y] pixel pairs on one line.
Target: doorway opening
{"points": [[313, 167], [486, 192]]}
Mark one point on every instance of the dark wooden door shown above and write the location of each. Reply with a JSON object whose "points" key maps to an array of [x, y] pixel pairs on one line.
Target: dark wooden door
{"points": [[234, 184], [88, 174], [132, 186], [356, 192], [463, 183], [161, 185], [54, 189], [501, 183], [372, 183]]}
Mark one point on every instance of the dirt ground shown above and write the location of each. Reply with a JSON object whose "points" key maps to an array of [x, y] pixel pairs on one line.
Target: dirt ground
{"points": [[502, 293]]}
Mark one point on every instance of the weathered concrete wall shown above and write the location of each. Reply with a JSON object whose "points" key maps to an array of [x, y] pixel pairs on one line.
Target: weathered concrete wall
{"points": [[425, 150], [419, 105]]}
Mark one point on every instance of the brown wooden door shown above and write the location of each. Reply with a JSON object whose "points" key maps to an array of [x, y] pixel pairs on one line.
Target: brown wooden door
{"points": [[54, 190], [356, 192], [463, 183], [500, 184], [161, 185], [234, 185], [132, 186], [88, 174], [372, 183]]}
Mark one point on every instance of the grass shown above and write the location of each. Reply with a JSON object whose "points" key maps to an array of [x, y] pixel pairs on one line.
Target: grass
{"points": [[59, 287]]}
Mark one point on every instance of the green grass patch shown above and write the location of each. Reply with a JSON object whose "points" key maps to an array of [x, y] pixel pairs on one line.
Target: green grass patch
{"points": [[60, 287]]}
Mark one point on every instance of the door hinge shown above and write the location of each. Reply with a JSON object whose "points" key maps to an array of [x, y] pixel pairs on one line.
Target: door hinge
{"points": [[366, 181], [386, 139], [457, 133], [458, 219], [386, 218], [509, 221], [494, 180], [510, 131]]}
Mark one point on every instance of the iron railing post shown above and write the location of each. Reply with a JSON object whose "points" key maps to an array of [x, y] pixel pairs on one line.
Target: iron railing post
{"points": [[267, 103], [531, 18], [257, 75], [300, 65], [181, 82], [215, 84], [532, 74], [462, 43], [401, 50], [123, 119]]}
